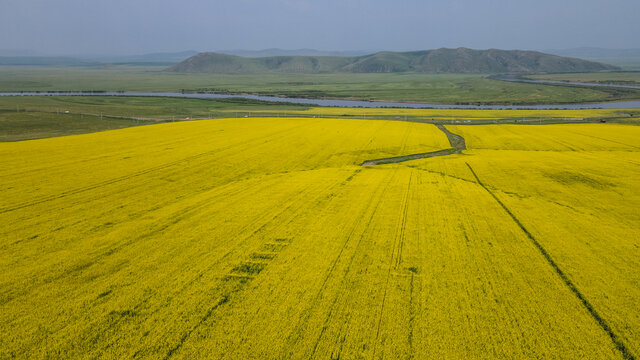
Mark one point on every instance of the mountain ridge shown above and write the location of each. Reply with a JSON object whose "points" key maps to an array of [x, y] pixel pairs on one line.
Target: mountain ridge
{"points": [[443, 60], [293, 52]]}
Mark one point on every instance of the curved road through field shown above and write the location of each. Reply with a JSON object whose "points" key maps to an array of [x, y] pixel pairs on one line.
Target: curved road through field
{"points": [[457, 145]]}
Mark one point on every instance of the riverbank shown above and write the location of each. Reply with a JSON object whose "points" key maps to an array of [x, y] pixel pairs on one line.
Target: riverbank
{"points": [[334, 102]]}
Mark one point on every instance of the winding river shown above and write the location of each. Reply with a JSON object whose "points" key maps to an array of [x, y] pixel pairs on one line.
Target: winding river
{"points": [[344, 103]]}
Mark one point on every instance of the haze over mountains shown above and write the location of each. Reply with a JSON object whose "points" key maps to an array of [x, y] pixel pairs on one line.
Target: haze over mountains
{"points": [[460, 60], [626, 58], [464, 60], [26, 57], [294, 52]]}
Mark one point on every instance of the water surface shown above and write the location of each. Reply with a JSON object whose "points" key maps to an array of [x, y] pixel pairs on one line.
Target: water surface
{"points": [[341, 103]]}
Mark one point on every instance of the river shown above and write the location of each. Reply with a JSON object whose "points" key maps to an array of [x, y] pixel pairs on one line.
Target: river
{"points": [[342, 103]]}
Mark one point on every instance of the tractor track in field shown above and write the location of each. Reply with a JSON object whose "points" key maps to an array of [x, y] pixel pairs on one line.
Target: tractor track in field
{"points": [[604, 139], [236, 280], [394, 261], [239, 276], [617, 341], [457, 145], [293, 337], [347, 271], [343, 281], [248, 268]]}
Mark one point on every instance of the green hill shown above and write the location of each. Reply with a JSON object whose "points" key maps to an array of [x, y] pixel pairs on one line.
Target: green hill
{"points": [[461, 60]]}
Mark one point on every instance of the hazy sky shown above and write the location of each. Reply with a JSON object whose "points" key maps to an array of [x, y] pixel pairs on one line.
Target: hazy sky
{"points": [[141, 26]]}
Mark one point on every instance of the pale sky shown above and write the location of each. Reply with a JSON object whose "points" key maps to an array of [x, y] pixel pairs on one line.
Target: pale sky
{"points": [[143, 26]]}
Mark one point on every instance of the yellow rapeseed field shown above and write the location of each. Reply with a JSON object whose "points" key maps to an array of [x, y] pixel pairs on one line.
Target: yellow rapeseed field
{"points": [[264, 238], [448, 114]]}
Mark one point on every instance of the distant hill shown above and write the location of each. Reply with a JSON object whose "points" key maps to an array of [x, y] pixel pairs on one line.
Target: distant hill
{"points": [[461, 60], [596, 53], [295, 52], [46, 61], [626, 58], [167, 58], [157, 59]]}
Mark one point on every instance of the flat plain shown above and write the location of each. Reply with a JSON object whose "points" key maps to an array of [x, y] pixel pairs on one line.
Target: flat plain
{"points": [[265, 238], [416, 87], [621, 77], [34, 117]]}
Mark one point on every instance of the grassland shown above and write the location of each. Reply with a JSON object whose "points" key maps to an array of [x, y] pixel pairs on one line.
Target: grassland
{"points": [[621, 78], [24, 118], [30, 117], [263, 238], [17, 126], [156, 108], [416, 87]]}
